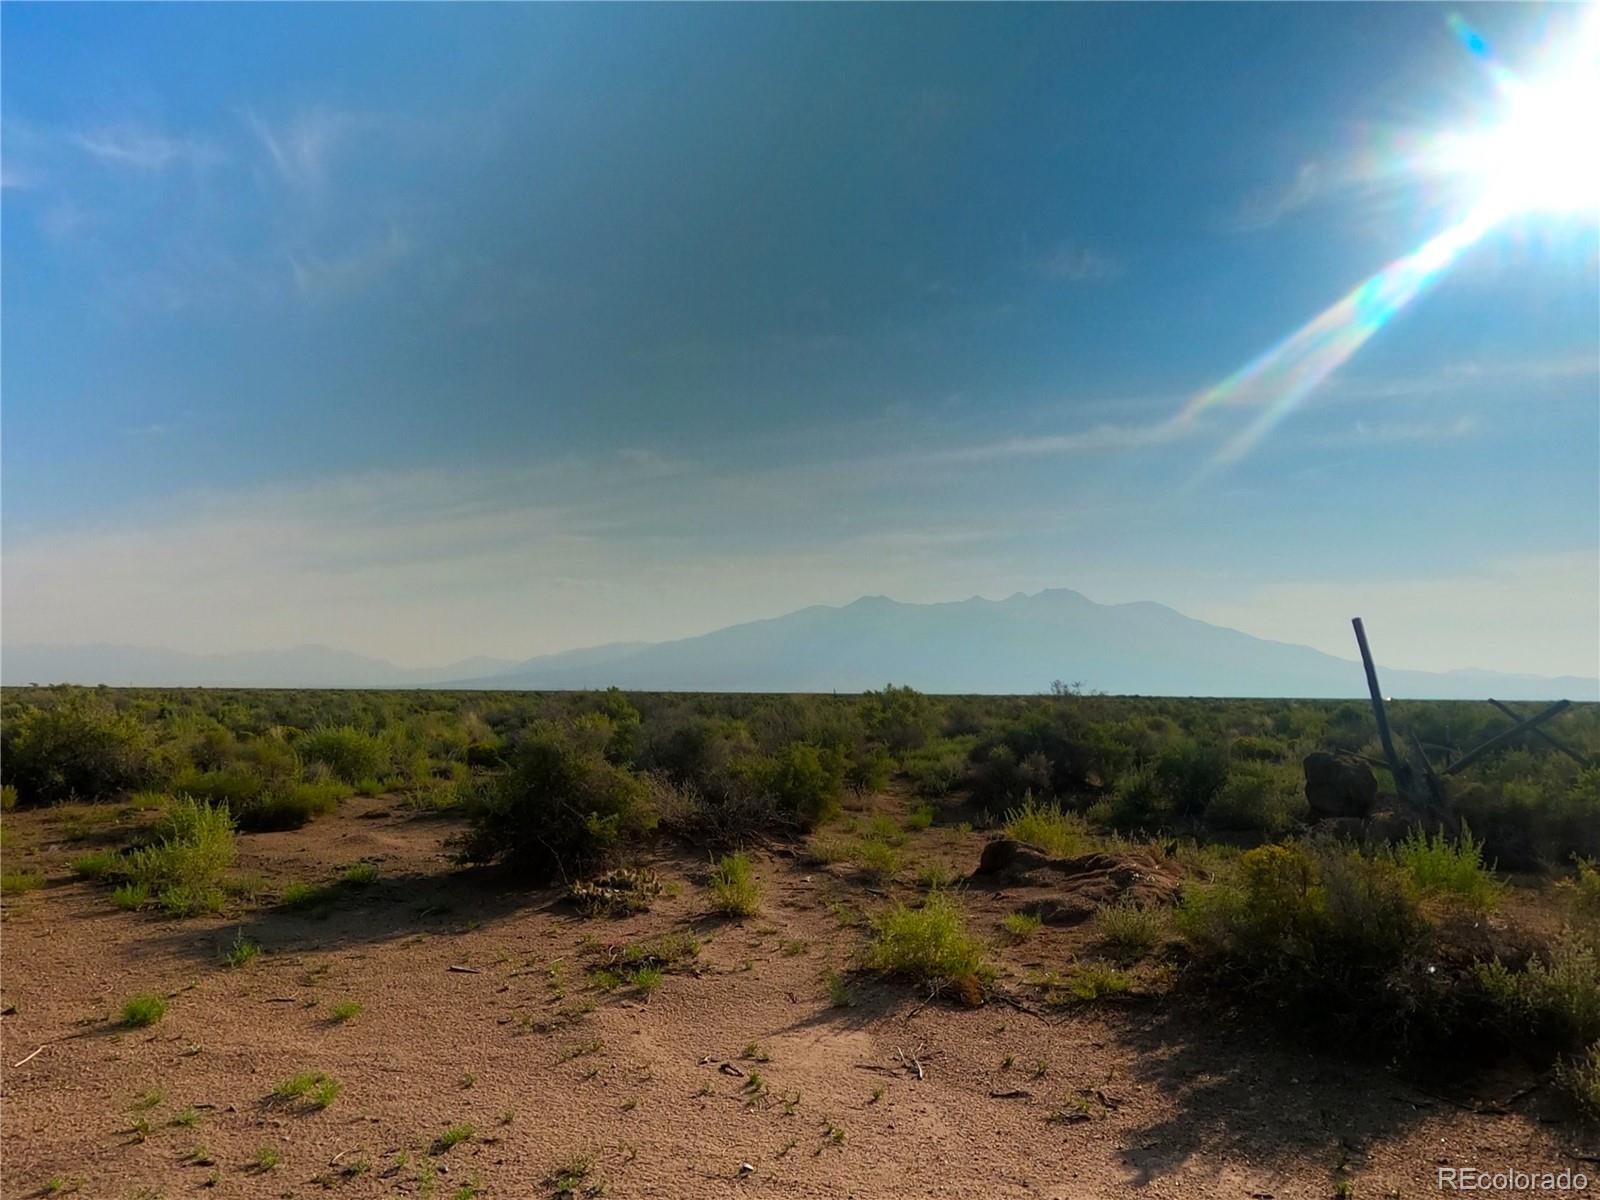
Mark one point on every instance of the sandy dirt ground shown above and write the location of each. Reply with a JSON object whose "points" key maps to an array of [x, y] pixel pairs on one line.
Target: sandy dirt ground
{"points": [[476, 1009]]}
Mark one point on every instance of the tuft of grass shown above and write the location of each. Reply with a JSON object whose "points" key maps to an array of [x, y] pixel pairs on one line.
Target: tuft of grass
{"points": [[185, 869], [930, 944], [934, 875], [569, 1178], [97, 865], [242, 951], [130, 897], [1097, 981], [186, 1117], [824, 850], [1440, 867], [878, 860], [361, 874], [1126, 930], [14, 883], [453, 1137], [1046, 826], [143, 1010], [734, 890], [920, 817], [265, 1159], [756, 1052], [314, 1087], [1021, 925], [345, 1010]]}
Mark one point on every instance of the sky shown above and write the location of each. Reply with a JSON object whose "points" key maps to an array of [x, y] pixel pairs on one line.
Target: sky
{"points": [[430, 331]]}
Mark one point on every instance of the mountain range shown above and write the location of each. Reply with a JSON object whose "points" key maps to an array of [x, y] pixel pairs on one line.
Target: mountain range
{"points": [[1017, 645]]}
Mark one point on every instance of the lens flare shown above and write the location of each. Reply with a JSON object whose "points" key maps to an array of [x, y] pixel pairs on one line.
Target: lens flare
{"points": [[1539, 157]]}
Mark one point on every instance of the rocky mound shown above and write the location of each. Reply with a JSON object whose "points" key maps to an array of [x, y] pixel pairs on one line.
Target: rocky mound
{"points": [[1075, 887]]}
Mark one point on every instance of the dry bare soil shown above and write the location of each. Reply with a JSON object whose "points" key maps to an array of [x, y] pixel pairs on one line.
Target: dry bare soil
{"points": [[739, 1075]]}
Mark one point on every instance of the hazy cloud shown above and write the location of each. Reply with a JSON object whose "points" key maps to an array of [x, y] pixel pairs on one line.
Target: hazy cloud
{"points": [[1073, 262], [142, 149]]}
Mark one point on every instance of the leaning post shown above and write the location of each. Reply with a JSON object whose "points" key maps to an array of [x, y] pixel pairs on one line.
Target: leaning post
{"points": [[1397, 768]]}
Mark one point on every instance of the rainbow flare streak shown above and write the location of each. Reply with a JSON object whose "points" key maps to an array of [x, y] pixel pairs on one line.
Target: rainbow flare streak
{"points": [[1289, 371]]}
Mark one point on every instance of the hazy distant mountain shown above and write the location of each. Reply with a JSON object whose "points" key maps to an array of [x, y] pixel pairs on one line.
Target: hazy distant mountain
{"points": [[302, 666], [1015, 645]]}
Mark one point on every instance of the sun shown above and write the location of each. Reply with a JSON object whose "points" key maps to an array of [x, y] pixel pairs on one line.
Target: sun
{"points": [[1541, 154]]}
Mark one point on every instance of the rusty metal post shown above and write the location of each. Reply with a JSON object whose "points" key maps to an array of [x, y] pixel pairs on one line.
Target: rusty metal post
{"points": [[1397, 767]]}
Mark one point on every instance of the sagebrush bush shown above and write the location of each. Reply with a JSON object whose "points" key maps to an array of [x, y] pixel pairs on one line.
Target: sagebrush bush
{"points": [[291, 806], [804, 782], [734, 890], [1258, 797], [930, 945], [351, 755], [1046, 826], [562, 808], [1325, 936], [81, 748], [1579, 1077], [1138, 801]]}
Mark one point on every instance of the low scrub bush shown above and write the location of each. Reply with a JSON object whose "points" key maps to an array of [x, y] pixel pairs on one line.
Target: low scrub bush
{"points": [[1046, 826], [803, 781], [235, 788], [878, 860], [291, 806], [1258, 797], [14, 883], [734, 890], [1440, 866], [351, 755], [185, 869], [562, 808], [1138, 801], [1579, 1077], [929, 945], [81, 748], [1323, 936]]}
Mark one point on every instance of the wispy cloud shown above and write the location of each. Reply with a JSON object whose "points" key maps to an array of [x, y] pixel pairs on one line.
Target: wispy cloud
{"points": [[1265, 207], [301, 150], [142, 149], [1074, 262], [1393, 433], [352, 269]]}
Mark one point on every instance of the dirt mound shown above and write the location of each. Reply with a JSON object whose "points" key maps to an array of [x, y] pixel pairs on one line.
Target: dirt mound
{"points": [[1077, 886]]}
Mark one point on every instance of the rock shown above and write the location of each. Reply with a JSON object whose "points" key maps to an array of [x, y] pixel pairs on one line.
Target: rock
{"points": [[1076, 887], [1339, 784]]}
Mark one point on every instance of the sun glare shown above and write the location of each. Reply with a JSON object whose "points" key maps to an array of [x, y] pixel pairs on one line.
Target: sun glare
{"points": [[1543, 155]]}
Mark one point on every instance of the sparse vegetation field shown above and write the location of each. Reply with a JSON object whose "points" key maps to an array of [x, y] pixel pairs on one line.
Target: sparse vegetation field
{"points": [[887, 945]]}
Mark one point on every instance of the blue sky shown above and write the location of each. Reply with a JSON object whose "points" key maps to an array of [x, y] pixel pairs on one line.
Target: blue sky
{"points": [[430, 331]]}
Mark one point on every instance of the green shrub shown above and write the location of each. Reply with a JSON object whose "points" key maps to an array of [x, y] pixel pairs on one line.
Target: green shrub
{"points": [[1583, 891], [1438, 866], [143, 1010], [803, 781], [879, 860], [1138, 801], [1579, 1077], [734, 889], [351, 755], [186, 868], [1096, 981], [1259, 798], [8, 797], [937, 768], [235, 788], [130, 897], [1021, 925], [1325, 936], [562, 808], [920, 817], [291, 806], [81, 748], [929, 945], [1046, 826], [1192, 772]]}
